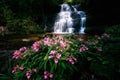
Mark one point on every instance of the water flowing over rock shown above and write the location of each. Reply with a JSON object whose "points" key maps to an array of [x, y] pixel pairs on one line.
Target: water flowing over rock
{"points": [[70, 20]]}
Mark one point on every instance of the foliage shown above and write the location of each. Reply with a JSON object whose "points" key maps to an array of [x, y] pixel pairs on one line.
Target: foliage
{"points": [[3, 30], [110, 66], [70, 1], [5, 69], [114, 30], [23, 26], [25, 17], [57, 57], [40, 12], [20, 25]]}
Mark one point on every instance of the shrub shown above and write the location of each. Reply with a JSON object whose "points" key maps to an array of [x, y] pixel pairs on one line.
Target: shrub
{"points": [[23, 26], [56, 57], [19, 25]]}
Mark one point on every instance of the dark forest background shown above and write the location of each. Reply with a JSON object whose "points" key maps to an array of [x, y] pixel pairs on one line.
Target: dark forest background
{"points": [[41, 12]]}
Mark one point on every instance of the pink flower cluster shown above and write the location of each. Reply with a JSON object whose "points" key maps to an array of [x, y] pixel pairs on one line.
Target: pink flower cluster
{"points": [[22, 49], [55, 55], [47, 41], [62, 43], [59, 37], [47, 75], [28, 73], [71, 60], [91, 42], [17, 68], [83, 48], [56, 39], [105, 35], [98, 37], [17, 53], [36, 46]]}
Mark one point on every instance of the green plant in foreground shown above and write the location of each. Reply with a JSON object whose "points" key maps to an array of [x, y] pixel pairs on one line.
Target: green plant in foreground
{"points": [[55, 57]]}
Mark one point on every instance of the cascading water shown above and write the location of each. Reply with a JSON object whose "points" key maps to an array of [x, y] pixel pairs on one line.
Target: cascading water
{"points": [[82, 22], [65, 23], [82, 28]]}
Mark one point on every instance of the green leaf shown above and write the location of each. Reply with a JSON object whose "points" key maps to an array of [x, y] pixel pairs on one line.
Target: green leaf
{"points": [[5, 77], [105, 62], [46, 57], [89, 58], [63, 65]]}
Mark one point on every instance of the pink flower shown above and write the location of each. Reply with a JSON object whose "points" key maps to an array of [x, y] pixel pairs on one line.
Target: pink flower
{"points": [[45, 72], [56, 61], [54, 42], [58, 55], [74, 59], [59, 37], [63, 44], [21, 68], [98, 37], [45, 76], [14, 69], [99, 49], [52, 52], [105, 35], [34, 70], [28, 75], [83, 48], [80, 50], [16, 54], [71, 60], [54, 55], [22, 49], [17, 68], [36, 46], [86, 48], [82, 45], [51, 56], [47, 41], [51, 75]]}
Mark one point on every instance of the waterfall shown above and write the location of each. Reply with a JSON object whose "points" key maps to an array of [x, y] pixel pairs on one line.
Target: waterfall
{"points": [[82, 22], [64, 22]]}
